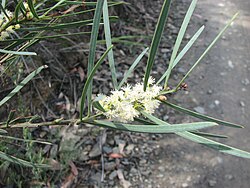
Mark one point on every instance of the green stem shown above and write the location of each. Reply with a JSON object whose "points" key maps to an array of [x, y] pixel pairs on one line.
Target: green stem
{"points": [[87, 118], [50, 123], [167, 92]]}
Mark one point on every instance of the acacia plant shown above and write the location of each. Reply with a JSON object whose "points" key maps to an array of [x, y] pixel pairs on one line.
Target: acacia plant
{"points": [[128, 107]]}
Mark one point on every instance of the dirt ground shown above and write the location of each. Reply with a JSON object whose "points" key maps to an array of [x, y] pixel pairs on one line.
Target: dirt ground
{"points": [[219, 87]]}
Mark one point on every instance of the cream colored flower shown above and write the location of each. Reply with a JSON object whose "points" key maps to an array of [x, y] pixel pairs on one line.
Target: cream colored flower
{"points": [[26, 6], [17, 26], [10, 29], [4, 34], [4, 22], [124, 105]]}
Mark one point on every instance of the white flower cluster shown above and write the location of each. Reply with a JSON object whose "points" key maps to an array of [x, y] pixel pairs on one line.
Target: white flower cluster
{"points": [[5, 28], [124, 105]]}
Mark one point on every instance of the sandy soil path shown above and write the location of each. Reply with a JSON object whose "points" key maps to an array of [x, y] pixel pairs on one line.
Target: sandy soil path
{"points": [[227, 73], [220, 87]]}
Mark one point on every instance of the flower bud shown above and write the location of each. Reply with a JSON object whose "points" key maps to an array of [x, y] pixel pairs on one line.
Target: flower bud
{"points": [[17, 26], [162, 97], [29, 16]]}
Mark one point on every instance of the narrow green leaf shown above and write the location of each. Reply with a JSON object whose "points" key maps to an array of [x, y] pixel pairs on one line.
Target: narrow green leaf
{"points": [[204, 141], [208, 134], [21, 85], [3, 3], [17, 9], [109, 43], [17, 43], [179, 39], [16, 52], [156, 39], [32, 8], [55, 6], [183, 51], [160, 128], [201, 116], [160, 122], [2, 131], [64, 25], [22, 162], [208, 48], [69, 14], [89, 81], [58, 26], [25, 140], [188, 46], [3, 10], [91, 59], [126, 38], [132, 67], [125, 42], [45, 37], [215, 145], [40, 23]]}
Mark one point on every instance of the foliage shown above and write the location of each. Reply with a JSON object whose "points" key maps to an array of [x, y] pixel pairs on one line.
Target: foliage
{"points": [[33, 21], [153, 49]]}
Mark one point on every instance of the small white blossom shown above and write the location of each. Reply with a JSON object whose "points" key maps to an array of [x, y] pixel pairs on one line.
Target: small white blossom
{"points": [[124, 105], [10, 14], [4, 34], [10, 29], [4, 22], [26, 6], [17, 26]]}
